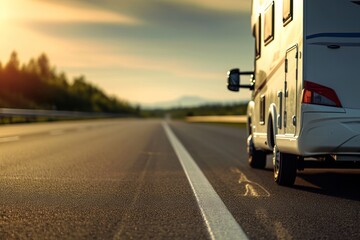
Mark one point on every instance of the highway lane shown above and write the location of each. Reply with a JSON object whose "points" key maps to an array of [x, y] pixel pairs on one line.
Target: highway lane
{"points": [[111, 180], [322, 204], [121, 179]]}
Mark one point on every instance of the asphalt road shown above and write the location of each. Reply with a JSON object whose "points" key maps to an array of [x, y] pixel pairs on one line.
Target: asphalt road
{"points": [[122, 179]]}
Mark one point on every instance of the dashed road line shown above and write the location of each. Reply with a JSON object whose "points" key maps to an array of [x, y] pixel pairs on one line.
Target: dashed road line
{"points": [[219, 221]]}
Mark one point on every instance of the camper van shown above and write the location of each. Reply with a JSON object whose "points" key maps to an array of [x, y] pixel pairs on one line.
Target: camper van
{"points": [[305, 85]]}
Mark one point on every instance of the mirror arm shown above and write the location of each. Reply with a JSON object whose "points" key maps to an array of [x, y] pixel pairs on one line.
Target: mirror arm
{"points": [[250, 86], [247, 73]]}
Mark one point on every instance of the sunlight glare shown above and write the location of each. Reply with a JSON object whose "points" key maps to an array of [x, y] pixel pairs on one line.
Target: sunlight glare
{"points": [[225, 5], [25, 11], [5, 10]]}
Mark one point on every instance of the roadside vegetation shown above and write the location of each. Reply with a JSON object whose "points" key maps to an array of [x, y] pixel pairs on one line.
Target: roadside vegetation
{"points": [[38, 85]]}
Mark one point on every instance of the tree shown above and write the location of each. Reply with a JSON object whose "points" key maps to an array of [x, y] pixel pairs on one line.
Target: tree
{"points": [[38, 85], [13, 64], [44, 67]]}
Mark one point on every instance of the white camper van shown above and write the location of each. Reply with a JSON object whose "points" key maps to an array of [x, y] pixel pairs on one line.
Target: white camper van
{"points": [[305, 86]]}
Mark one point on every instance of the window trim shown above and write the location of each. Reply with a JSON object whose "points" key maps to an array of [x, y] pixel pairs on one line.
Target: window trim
{"points": [[269, 9], [262, 109], [287, 19], [257, 34]]}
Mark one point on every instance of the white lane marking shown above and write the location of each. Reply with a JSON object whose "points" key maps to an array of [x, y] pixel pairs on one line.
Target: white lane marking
{"points": [[219, 221], [9, 139]]}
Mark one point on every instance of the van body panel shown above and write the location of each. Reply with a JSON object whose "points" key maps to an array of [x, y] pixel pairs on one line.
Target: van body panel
{"points": [[333, 47], [320, 43], [330, 132]]}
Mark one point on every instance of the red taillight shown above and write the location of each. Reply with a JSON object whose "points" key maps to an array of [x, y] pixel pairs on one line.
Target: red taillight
{"points": [[320, 95]]}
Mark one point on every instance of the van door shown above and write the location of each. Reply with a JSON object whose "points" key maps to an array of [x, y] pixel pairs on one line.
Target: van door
{"points": [[290, 90]]}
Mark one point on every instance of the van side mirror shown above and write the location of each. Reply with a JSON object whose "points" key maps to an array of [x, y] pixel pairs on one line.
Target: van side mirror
{"points": [[233, 77], [233, 80]]}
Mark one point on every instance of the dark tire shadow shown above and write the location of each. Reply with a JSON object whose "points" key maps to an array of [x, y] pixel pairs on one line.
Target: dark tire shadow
{"points": [[337, 183]]}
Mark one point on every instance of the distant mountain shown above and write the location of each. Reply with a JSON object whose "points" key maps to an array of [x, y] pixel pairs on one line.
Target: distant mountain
{"points": [[185, 101]]}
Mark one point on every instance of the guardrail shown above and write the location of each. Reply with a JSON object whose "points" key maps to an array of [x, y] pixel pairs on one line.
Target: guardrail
{"points": [[221, 119], [31, 114]]}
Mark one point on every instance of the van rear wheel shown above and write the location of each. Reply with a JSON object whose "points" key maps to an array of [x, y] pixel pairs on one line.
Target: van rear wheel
{"points": [[257, 158], [284, 167]]}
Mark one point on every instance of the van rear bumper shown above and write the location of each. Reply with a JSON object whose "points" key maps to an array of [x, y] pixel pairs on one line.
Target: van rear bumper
{"points": [[330, 133]]}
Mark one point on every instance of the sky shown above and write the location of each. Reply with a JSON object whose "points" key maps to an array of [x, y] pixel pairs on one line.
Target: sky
{"points": [[142, 51]]}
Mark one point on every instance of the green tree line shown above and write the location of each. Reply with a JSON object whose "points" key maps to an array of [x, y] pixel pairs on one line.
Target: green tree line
{"points": [[37, 85]]}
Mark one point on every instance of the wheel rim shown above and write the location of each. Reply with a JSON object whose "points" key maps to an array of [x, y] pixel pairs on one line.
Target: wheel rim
{"points": [[276, 162]]}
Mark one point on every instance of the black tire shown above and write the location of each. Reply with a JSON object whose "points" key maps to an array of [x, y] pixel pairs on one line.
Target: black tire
{"points": [[257, 158], [284, 168]]}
